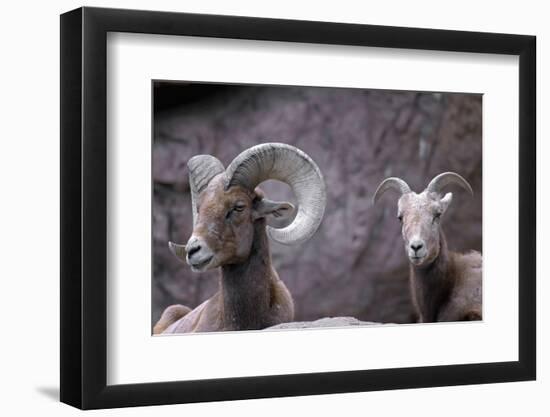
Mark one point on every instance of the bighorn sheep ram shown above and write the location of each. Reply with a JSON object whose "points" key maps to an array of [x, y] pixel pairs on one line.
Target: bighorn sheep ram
{"points": [[445, 286], [230, 232]]}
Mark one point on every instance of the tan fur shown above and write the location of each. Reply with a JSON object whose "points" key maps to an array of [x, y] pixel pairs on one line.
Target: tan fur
{"points": [[208, 317], [251, 295], [170, 315], [465, 299], [445, 286]]}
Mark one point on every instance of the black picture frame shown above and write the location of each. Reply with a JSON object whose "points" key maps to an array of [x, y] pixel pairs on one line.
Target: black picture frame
{"points": [[84, 207]]}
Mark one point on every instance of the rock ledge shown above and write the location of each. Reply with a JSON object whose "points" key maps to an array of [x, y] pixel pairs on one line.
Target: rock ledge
{"points": [[324, 322]]}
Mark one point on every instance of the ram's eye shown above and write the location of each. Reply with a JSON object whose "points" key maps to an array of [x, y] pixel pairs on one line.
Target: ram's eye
{"points": [[437, 216], [238, 207]]}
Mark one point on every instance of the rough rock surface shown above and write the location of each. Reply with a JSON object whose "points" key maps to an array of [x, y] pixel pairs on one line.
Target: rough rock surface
{"points": [[324, 322], [355, 264]]}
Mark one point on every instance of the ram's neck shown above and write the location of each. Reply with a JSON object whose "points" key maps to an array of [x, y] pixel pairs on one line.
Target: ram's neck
{"points": [[246, 287], [432, 284]]}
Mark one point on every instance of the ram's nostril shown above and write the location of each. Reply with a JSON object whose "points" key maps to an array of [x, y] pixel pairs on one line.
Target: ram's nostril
{"points": [[193, 250], [416, 246]]}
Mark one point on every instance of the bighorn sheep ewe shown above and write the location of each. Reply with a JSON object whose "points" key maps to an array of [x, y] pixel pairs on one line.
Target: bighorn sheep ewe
{"points": [[230, 232], [445, 286]]}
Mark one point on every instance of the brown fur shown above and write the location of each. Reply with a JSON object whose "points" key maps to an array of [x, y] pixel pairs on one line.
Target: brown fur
{"points": [[251, 295], [448, 289], [444, 285], [170, 315]]}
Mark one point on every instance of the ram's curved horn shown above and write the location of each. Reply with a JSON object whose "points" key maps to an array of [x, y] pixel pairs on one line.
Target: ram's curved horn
{"points": [[446, 178], [202, 168], [290, 165], [392, 183], [178, 250]]}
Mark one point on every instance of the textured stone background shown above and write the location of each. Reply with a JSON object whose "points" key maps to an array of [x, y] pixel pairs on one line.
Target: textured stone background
{"points": [[355, 265]]}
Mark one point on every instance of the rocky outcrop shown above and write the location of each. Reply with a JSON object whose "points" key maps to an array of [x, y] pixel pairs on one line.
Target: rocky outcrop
{"points": [[323, 323]]}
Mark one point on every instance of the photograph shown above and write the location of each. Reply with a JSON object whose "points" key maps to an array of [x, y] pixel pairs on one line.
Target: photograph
{"points": [[280, 207], [260, 206]]}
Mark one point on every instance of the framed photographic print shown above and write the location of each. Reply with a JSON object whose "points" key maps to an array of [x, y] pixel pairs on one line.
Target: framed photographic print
{"points": [[258, 208]]}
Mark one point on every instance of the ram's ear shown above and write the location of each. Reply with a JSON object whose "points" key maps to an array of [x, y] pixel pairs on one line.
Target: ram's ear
{"points": [[446, 201], [265, 207]]}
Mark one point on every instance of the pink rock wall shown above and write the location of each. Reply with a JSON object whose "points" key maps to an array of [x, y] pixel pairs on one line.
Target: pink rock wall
{"points": [[355, 265]]}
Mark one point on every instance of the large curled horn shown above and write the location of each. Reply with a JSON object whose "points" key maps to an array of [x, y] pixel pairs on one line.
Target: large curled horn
{"points": [[290, 165], [392, 183], [202, 168], [446, 178]]}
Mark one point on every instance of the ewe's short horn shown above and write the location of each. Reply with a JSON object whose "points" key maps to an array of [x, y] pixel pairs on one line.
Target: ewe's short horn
{"points": [[290, 165], [446, 178], [202, 168], [392, 183]]}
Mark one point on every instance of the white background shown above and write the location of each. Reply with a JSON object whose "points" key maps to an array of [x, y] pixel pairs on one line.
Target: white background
{"points": [[133, 60], [30, 207]]}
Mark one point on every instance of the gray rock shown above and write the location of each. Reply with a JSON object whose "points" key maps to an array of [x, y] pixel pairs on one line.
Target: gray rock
{"points": [[324, 322]]}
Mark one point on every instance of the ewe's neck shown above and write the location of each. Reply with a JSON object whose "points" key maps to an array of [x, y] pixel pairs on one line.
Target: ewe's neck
{"points": [[432, 283], [246, 287]]}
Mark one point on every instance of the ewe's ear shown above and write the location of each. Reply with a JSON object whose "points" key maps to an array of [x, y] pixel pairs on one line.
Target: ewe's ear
{"points": [[446, 201], [264, 207]]}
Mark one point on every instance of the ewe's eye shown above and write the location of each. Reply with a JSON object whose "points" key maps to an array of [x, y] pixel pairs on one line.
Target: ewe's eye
{"points": [[400, 217], [437, 216]]}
